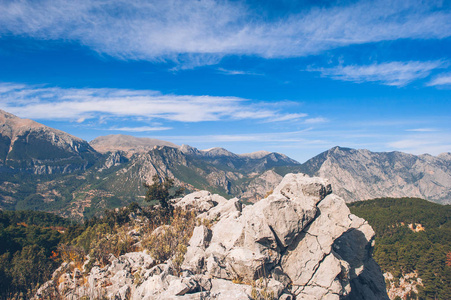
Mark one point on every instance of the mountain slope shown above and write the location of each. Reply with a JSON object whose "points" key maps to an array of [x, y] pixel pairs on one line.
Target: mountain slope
{"points": [[47, 169], [413, 239], [362, 174], [28, 146], [227, 175]]}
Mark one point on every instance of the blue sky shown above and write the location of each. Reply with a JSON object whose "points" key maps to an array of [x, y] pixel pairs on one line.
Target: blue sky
{"points": [[296, 77]]}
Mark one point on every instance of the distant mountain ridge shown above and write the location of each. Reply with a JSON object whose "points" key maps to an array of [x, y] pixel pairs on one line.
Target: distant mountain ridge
{"points": [[126, 143], [43, 168], [362, 174], [47, 169]]}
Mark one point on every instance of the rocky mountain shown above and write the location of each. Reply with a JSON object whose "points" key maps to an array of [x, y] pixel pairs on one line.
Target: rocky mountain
{"points": [[126, 143], [27, 146], [362, 174], [46, 169], [301, 242], [220, 171]]}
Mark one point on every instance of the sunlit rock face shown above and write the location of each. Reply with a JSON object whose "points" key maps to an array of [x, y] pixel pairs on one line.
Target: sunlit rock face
{"points": [[300, 242], [362, 174]]}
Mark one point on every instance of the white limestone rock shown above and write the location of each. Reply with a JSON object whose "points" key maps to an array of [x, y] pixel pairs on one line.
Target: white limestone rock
{"points": [[300, 242]]}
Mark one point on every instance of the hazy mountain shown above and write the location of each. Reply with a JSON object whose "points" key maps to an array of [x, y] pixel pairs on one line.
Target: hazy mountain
{"points": [[47, 169], [126, 143], [362, 174], [28, 146]]}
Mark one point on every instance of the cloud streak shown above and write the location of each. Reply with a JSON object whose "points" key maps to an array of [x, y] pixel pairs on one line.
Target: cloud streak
{"points": [[139, 129], [237, 72], [431, 143], [53, 103], [441, 80], [391, 73], [197, 33]]}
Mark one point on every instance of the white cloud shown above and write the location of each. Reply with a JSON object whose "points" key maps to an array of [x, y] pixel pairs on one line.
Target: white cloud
{"points": [[288, 117], [422, 130], [50, 103], [237, 72], [266, 137], [391, 73], [423, 142], [316, 120], [193, 33], [441, 80], [140, 129]]}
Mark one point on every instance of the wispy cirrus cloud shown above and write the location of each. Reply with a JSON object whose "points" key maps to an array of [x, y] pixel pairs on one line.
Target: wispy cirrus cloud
{"points": [[237, 72], [140, 129], [194, 33], [54, 103], [422, 130], [317, 120], [420, 143], [441, 80], [267, 137], [390, 73]]}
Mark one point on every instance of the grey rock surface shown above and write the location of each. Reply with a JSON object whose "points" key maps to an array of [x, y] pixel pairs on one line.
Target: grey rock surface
{"points": [[362, 174], [300, 242]]}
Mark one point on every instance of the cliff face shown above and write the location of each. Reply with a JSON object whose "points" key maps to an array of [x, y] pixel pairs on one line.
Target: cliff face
{"points": [[362, 174], [27, 146], [300, 242]]}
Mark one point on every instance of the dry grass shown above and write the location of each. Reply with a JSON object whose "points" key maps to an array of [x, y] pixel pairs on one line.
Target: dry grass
{"points": [[171, 241]]}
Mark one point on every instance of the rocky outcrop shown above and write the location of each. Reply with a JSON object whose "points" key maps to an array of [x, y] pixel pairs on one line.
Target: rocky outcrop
{"points": [[362, 174], [405, 287], [300, 242]]}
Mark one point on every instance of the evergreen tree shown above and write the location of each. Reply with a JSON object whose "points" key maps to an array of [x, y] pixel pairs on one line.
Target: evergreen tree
{"points": [[162, 191]]}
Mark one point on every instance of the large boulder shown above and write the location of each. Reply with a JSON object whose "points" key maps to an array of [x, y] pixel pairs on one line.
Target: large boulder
{"points": [[300, 242]]}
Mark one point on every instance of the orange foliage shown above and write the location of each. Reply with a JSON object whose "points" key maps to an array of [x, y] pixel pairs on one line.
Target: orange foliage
{"points": [[448, 259], [54, 255]]}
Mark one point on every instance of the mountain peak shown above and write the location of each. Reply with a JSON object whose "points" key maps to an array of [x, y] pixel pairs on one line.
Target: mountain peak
{"points": [[362, 174], [29, 146], [256, 154], [127, 143], [218, 151], [13, 126], [187, 149]]}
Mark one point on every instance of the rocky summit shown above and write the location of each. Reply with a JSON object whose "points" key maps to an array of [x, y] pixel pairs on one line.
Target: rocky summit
{"points": [[300, 242]]}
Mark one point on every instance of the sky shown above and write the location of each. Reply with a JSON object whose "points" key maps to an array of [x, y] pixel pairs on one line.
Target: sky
{"points": [[295, 77]]}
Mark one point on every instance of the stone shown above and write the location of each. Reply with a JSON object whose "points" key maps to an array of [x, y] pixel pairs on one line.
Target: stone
{"points": [[301, 242], [200, 202], [224, 290]]}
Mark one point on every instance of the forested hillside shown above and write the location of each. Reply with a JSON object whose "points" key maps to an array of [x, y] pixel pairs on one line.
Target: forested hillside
{"points": [[33, 244], [412, 235], [28, 248]]}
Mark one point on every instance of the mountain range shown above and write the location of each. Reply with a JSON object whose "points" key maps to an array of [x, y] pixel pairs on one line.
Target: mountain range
{"points": [[42, 168]]}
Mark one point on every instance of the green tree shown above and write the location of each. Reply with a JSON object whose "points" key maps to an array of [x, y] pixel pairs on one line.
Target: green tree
{"points": [[162, 191]]}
